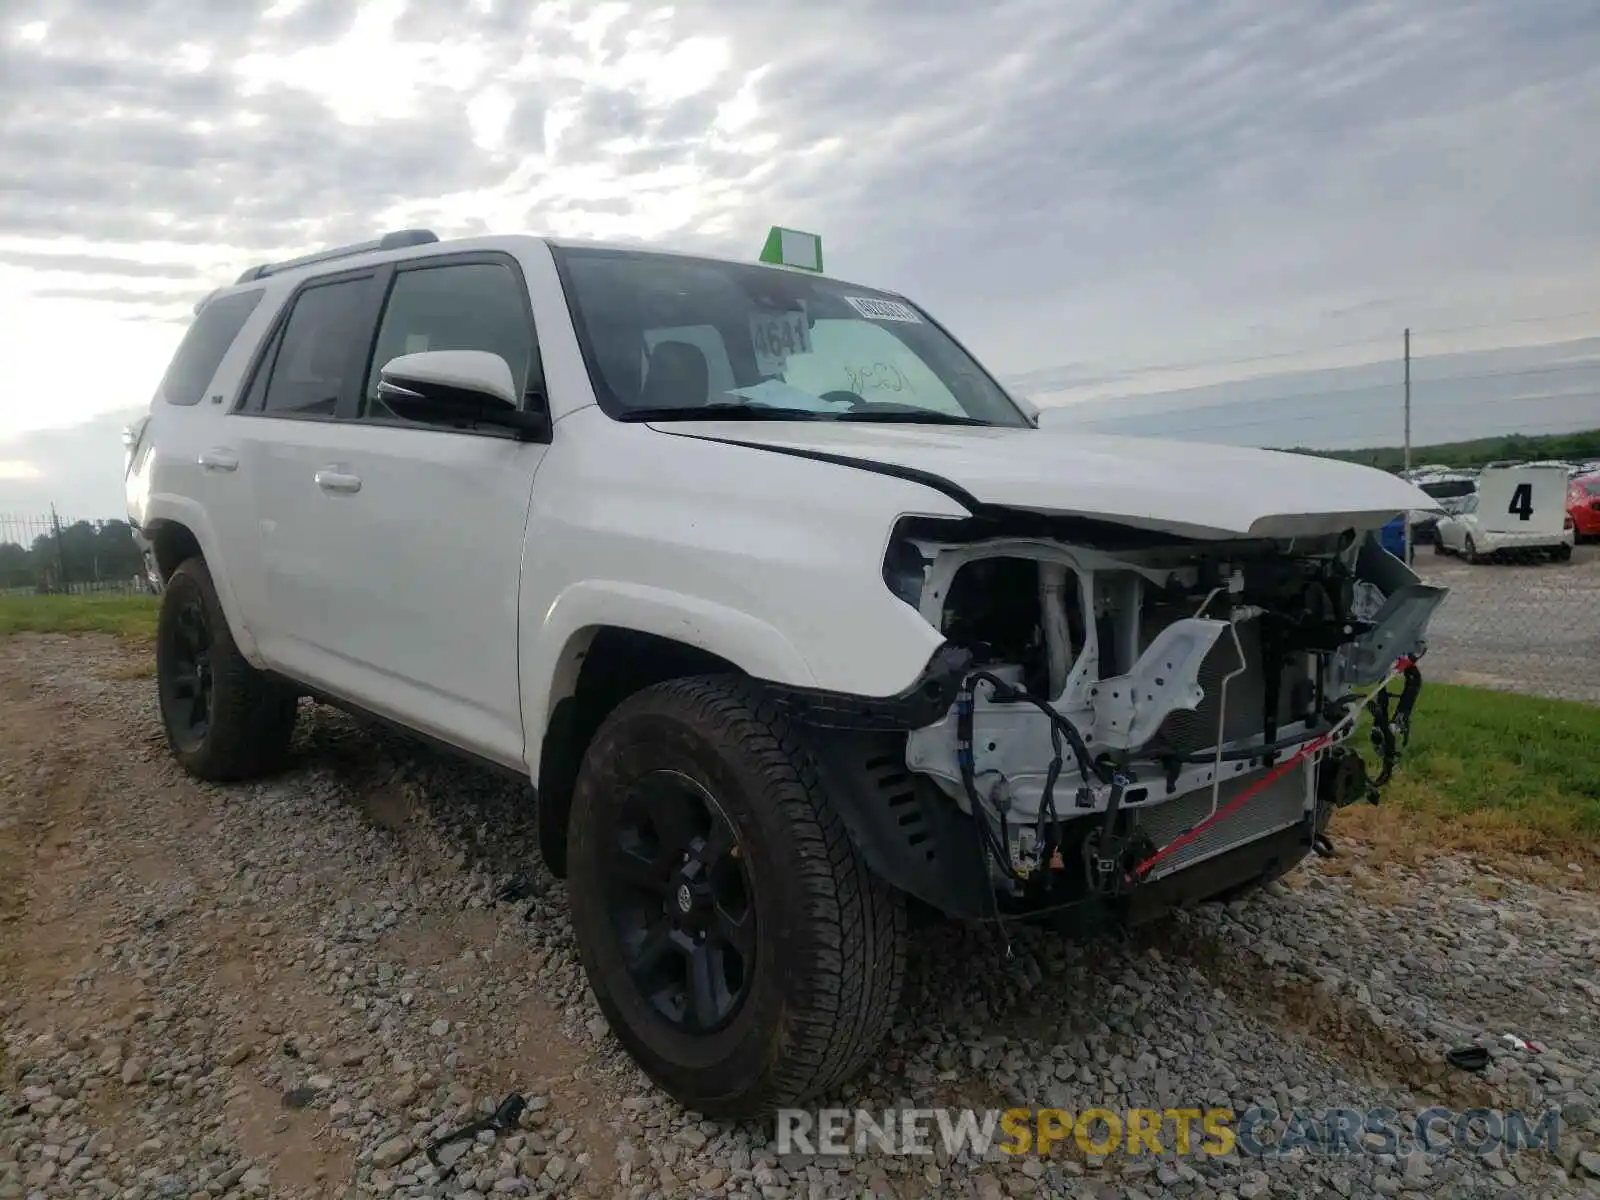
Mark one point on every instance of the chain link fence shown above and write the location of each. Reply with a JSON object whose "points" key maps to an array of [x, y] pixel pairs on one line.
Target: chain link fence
{"points": [[1517, 620], [54, 556]]}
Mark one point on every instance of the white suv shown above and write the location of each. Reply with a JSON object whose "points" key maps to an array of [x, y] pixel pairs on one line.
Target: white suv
{"points": [[793, 618]]}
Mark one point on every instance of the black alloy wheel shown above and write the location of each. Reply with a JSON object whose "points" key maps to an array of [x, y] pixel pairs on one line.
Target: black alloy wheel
{"points": [[680, 902], [187, 686], [224, 719], [738, 945]]}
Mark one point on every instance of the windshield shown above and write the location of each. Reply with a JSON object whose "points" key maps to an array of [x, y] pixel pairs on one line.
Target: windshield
{"points": [[1590, 486], [670, 337]]}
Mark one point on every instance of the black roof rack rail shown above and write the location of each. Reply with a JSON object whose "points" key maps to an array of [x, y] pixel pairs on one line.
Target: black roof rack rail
{"points": [[398, 240]]}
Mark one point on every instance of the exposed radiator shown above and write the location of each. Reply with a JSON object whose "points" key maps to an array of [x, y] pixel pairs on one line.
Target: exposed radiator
{"points": [[1189, 731], [1281, 804]]}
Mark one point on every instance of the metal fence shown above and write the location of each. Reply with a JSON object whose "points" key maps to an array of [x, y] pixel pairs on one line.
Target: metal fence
{"points": [[53, 555]]}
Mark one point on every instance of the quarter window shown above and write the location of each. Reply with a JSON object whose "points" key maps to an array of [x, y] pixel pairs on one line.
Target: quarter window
{"points": [[204, 346]]}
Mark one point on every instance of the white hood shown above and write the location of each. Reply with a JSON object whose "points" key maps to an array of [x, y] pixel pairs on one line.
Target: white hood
{"points": [[1186, 488]]}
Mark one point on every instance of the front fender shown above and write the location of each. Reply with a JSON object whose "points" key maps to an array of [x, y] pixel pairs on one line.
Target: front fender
{"points": [[556, 648]]}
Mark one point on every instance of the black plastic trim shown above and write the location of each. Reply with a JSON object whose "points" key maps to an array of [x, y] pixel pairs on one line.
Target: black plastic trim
{"points": [[927, 699], [927, 478]]}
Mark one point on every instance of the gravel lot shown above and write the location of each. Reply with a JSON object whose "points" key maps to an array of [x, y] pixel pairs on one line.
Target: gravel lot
{"points": [[1522, 627], [285, 989]]}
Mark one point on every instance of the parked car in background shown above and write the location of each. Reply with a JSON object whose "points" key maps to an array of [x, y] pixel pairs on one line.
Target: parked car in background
{"points": [[1451, 491], [1583, 506], [1516, 510]]}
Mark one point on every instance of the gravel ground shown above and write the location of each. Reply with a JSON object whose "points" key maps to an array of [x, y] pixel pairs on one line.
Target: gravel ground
{"points": [[1524, 627], [287, 988]]}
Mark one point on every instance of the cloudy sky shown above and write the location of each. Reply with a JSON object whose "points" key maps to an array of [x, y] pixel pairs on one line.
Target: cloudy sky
{"points": [[1082, 188]]}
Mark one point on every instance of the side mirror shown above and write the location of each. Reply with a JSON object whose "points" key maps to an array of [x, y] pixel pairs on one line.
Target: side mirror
{"points": [[459, 388]]}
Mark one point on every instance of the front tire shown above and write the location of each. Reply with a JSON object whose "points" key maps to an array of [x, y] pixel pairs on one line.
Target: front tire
{"points": [[736, 942], [224, 720], [1470, 551]]}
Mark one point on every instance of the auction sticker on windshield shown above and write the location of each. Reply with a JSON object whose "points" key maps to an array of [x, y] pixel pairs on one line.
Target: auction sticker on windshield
{"points": [[776, 335], [883, 310]]}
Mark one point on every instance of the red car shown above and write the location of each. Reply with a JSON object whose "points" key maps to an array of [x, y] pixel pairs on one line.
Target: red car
{"points": [[1583, 506]]}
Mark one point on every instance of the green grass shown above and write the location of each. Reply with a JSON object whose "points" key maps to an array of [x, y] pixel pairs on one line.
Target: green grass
{"points": [[125, 616], [1493, 773]]}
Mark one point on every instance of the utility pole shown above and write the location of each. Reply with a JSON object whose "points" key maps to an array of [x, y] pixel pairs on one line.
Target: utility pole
{"points": [[61, 553], [1408, 437]]}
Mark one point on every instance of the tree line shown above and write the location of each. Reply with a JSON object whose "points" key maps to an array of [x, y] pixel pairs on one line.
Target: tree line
{"points": [[47, 555], [1568, 447]]}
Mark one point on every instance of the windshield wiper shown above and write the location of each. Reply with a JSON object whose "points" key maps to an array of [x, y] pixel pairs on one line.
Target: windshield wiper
{"points": [[911, 416], [724, 412]]}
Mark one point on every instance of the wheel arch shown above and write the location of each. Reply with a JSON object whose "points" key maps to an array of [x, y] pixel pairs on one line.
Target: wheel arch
{"points": [[178, 530], [599, 667]]}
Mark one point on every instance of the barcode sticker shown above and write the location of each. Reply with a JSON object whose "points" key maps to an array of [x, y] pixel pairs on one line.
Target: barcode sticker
{"points": [[875, 309]]}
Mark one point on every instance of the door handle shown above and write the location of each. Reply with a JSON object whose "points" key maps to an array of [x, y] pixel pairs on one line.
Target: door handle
{"points": [[218, 458], [330, 480]]}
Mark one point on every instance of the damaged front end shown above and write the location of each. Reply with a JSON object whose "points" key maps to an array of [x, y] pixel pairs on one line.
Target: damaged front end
{"points": [[1143, 720]]}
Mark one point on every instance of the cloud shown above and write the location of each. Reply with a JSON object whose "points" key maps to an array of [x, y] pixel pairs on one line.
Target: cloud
{"points": [[1100, 185]]}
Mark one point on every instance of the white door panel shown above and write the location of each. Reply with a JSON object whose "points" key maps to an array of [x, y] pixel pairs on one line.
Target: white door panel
{"points": [[392, 561]]}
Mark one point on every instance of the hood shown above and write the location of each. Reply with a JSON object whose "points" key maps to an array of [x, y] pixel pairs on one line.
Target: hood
{"points": [[1186, 488]]}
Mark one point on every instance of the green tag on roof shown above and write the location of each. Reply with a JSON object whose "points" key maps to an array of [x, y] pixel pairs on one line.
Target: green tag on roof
{"points": [[793, 248]]}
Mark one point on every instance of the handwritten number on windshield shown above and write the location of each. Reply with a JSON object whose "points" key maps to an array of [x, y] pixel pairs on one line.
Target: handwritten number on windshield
{"points": [[882, 377]]}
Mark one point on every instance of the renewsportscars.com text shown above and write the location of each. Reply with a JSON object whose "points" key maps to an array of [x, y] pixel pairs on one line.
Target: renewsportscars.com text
{"points": [[1255, 1132]]}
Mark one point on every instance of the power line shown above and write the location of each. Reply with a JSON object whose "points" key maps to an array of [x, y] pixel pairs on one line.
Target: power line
{"points": [[1586, 312], [1416, 383], [1386, 406], [1312, 351]]}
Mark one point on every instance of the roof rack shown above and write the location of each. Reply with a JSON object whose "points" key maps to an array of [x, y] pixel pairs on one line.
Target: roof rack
{"points": [[398, 240]]}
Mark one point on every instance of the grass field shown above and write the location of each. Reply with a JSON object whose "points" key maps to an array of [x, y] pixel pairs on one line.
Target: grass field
{"points": [[1487, 772], [126, 616], [1492, 773]]}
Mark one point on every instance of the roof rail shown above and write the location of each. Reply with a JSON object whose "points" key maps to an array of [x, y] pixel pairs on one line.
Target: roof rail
{"points": [[398, 240]]}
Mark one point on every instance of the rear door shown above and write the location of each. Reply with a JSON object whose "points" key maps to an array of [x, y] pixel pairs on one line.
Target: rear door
{"points": [[397, 550], [289, 416]]}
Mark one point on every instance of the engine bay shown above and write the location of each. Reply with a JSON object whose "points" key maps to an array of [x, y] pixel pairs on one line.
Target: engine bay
{"points": [[1125, 697]]}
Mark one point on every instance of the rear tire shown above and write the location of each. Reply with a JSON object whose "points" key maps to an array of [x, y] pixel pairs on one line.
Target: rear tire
{"points": [[1562, 554], [800, 948], [224, 720]]}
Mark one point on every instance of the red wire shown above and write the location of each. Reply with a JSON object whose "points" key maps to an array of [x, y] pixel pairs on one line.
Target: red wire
{"points": [[1272, 776], [1405, 662]]}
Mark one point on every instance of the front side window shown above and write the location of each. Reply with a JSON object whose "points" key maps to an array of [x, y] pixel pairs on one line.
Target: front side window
{"points": [[204, 346], [464, 306], [319, 349], [674, 337]]}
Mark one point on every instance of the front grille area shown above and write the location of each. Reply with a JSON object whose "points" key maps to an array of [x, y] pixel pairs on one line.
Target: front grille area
{"points": [[1277, 806]]}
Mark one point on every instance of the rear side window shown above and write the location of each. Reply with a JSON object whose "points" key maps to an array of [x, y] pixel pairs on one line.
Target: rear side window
{"points": [[320, 350], [200, 353]]}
